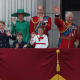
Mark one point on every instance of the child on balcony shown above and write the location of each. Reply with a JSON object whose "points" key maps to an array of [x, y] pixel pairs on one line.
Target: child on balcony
{"points": [[41, 40], [5, 36], [19, 43]]}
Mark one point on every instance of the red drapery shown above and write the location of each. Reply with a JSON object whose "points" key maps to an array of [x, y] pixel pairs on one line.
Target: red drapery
{"points": [[38, 64]]}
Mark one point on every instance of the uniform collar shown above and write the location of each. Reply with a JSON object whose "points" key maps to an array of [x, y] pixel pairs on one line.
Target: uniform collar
{"points": [[20, 41], [69, 23]]}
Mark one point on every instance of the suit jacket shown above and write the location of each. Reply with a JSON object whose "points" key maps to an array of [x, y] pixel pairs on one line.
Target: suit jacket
{"points": [[20, 45], [4, 40]]}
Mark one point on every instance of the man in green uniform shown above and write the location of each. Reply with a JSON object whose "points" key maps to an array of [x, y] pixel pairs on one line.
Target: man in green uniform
{"points": [[20, 25]]}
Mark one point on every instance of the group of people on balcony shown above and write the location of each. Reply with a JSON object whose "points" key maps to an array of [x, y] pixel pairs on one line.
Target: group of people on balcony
{"points": [[38, 29]]}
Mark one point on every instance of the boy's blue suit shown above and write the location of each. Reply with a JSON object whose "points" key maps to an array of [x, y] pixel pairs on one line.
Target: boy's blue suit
{"points": [[4, 40], [20, 45]]}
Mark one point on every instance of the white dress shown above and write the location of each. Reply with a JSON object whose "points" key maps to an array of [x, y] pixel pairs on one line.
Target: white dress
{"points": [[41, 42]]}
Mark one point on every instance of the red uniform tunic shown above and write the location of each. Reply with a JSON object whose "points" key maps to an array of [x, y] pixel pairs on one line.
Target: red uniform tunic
{"points": [[35, 23], [64, 27], [79, 37]]}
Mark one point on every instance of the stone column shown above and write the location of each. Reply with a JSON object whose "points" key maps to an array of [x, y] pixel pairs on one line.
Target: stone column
{"points": [[41, 2], [53, 33]]}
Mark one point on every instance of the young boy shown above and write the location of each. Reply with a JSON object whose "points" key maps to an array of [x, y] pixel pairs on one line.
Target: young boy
{"points": [[41, 40], [4, 36], [19, 43]]}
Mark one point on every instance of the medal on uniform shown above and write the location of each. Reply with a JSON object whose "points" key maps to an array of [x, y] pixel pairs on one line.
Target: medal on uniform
{"points": [[74, 31], [72, 34], [45, 20], [75, 27]]}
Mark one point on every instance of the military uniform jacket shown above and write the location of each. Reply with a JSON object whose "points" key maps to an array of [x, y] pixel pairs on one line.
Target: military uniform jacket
{"points": [[4, 40], [35, 23], [68, 30], [22, 27]]}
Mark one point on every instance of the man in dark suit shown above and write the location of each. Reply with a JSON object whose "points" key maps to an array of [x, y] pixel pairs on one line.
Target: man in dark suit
{"points": [[19, 43], [4, 36]]}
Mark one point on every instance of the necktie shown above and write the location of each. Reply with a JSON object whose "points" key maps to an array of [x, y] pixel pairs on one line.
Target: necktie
{"points": [[19, 42], [2, 32]]}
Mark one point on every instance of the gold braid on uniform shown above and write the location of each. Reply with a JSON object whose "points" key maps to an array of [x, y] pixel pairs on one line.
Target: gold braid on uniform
{"points": [[37, 27], [65, 27], [36, 23], [33, 21]]}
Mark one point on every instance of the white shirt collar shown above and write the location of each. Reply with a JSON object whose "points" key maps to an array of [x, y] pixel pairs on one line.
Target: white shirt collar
{"points": [[1, 31], [20, 41]]}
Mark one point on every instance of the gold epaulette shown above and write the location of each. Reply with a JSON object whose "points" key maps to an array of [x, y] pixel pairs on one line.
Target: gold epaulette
{"points": [[33, 21], [65, 27]]}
